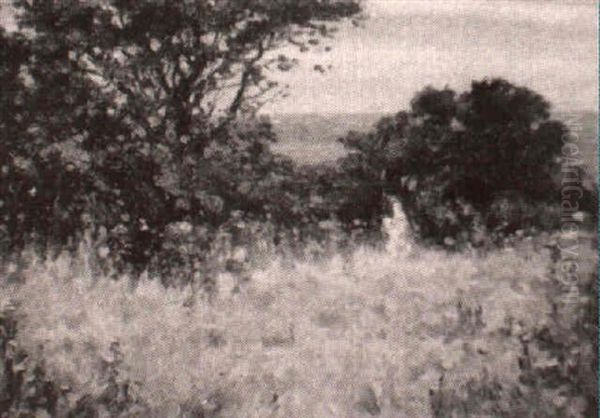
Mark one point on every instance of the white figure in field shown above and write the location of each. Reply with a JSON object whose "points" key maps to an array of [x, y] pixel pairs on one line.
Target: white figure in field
{"points": [[397, 230]]}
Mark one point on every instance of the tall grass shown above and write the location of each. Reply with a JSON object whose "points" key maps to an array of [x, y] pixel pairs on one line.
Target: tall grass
{"points": [[365, 333]]}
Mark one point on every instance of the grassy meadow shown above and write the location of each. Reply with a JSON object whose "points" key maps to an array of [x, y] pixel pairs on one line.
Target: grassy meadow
{"points": [[400, 331]]}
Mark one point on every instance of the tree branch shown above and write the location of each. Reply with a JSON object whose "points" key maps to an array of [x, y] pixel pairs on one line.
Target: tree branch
{"points": [[246, 73]]}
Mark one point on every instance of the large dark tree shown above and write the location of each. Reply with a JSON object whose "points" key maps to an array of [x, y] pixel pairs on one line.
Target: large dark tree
{"points": [[173, 64], [136, 114]]}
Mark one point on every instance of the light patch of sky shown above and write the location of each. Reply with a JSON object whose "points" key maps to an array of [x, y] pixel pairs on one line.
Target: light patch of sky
{"points": [[549, 46], [404, 45]]}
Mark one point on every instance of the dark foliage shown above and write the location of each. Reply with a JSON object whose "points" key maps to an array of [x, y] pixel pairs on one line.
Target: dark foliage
{"points": [[485, 163], [126, 118]]}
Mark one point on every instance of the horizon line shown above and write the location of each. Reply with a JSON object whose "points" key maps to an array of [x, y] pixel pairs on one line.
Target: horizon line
{"points": [[366, 112]]}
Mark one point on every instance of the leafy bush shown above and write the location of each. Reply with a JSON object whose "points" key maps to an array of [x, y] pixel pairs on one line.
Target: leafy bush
{"points": [[486, 162]]}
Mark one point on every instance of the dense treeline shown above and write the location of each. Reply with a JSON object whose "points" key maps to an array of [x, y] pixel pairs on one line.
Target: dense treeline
{"points": [[138, 121]]}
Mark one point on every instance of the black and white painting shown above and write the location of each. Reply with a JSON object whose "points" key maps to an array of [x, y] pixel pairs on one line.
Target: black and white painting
{"points": [[298, 208]]}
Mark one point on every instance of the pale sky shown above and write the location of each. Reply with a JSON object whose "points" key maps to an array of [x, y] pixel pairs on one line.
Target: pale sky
{"points": [[404, 45], [549, 46]]}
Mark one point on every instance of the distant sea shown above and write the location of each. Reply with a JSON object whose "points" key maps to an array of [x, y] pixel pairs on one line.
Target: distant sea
{"points": [[313, 138]]}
